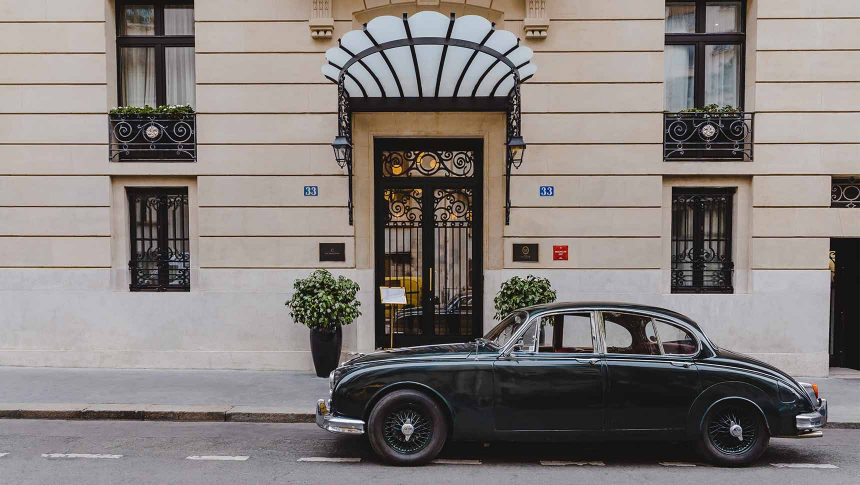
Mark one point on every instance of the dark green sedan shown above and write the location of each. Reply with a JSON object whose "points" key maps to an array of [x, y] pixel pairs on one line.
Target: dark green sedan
{"points": [[567, 372]]}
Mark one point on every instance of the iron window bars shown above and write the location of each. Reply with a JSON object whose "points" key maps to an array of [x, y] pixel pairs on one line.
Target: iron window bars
{"points": [[702, 240], [845, 192], [160, 248], [511, 104]]}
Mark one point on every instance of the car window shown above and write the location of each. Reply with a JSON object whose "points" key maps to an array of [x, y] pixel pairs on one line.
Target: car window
{"points": [[566, 333], [526, 342], [628, 333], [506, 329], [675, 340]]}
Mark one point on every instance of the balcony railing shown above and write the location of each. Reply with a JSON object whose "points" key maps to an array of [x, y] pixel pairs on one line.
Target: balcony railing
{"points": [[845, 192], [153, 138], [708, 136]]}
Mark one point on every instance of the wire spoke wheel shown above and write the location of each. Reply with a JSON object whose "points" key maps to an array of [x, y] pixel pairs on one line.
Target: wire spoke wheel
{"points": [[733, 430], [407, 430]]}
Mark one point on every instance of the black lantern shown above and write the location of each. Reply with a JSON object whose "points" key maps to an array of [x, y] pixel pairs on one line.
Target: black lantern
{"points": [[342, 150], [516, 150]]}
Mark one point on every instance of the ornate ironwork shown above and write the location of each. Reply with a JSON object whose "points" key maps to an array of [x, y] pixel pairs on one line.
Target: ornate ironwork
{"points": [[151, 138], [514, 119], [708, 136], [433, 163], [453, 206], [160, 248], [404, 206], [845, 192], [702, 241]]}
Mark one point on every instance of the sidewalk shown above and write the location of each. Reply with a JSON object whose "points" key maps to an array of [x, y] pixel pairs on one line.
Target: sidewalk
{"points": [[175, 395], [231, 395]]}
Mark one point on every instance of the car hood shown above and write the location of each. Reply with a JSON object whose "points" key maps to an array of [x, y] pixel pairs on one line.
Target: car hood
{"points": [[747, 362], [424, 351]]}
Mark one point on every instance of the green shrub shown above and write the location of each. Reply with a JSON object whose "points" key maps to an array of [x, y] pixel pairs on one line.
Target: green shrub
{"points": [[167, 111], [522, 292], [322, 302], [713, 108]]}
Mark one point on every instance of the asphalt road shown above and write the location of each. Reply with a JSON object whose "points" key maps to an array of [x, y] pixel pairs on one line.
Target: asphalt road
{"points": [[119, 452]]}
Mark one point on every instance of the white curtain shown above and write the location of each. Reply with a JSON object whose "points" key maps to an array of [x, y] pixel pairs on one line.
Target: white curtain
{"points": [[722, 75], [723, 17], [179, 67], [178, 20], [679, 72], [680, 18], [137, 68]]}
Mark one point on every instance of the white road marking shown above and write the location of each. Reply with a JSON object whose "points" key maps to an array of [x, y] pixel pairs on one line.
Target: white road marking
{"points": [[79, 455], [677, 463], [575, 463], [3, 454], [217, 458], [327, 459], [803, 465], [443, 461]]}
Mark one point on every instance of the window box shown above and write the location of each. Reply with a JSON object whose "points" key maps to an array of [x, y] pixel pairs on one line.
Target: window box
{"points": [[708, 136], [153, 137]]}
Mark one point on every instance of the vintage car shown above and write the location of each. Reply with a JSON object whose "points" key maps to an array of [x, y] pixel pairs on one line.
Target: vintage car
{"points": [[572, 371]]}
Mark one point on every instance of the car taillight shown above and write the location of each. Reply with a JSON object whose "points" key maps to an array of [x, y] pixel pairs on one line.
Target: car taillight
{"points": [[815, 389]]}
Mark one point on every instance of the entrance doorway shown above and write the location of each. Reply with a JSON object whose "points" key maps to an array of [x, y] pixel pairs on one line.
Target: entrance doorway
{"points": [[845, 303], [428, 197]]}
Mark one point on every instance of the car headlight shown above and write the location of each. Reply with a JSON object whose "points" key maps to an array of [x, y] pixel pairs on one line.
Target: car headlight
{"points": [[331, 381]]}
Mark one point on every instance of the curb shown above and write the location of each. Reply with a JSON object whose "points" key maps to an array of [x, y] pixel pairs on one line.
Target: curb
{"points": [[154, 412]]}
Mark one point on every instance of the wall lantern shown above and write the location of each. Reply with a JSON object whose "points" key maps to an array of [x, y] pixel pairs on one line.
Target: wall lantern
{"points": [[342, 151], [516, 150]]}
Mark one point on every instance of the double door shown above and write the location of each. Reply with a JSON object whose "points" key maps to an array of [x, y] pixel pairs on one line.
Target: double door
{"points": [[428, 199]]}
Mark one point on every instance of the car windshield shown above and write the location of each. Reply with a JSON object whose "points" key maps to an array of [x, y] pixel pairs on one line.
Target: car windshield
{"points": [[506, 329]]}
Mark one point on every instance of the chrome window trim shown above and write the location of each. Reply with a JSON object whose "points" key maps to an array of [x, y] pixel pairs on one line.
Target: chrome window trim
{"points": [[652, 316], [595, 339]]}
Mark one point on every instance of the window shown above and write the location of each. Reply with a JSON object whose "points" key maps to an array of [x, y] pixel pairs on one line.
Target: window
{"points": [[704, 54], [627, 333], [568, 333], [702, 240], [160, 250], [155, 52], [674, 340]]}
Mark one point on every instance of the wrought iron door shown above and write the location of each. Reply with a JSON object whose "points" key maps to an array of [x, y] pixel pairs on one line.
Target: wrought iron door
{"points": [[428, 239]]}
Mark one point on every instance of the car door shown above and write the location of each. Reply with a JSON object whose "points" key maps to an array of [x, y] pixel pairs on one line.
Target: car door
{"points": [[648, 389], [553, 380]]}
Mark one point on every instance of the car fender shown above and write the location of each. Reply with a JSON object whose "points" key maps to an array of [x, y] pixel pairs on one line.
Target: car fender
{"points": [[728, 390], [395, 386]]}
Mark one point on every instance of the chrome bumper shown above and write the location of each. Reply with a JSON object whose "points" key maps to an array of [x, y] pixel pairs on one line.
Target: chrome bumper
{"points": [[335, 424], [814, 421]]}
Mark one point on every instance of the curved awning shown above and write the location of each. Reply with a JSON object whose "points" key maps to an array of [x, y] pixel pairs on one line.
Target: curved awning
{"points": [[428, 55]]}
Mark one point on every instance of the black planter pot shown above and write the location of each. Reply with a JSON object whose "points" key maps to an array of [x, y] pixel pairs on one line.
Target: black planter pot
{"points": [[325, 350]]}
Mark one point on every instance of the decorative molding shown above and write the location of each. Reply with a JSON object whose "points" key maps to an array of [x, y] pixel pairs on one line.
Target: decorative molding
{"points": [[536, 23], [321, 22], [428, 3]]}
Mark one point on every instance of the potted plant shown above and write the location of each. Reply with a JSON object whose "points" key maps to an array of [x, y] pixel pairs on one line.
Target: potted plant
{"points": [[324, 304], [522, 292]]}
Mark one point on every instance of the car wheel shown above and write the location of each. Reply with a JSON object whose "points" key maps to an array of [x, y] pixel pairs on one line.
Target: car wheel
{"points": [[407, 428], [734, 434]]}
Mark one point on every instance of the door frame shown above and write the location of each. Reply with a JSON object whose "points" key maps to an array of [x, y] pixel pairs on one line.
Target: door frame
{"points": [[474, 182]]}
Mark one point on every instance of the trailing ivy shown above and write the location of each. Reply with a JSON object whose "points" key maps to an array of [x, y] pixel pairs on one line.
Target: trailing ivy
{"points": [[165, 110], [714, 109], [522, 292], [322, 302]]}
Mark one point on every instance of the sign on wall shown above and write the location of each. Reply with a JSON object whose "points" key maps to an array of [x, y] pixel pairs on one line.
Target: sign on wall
{"points": [[312, 191], [526, 253], [547, 190], [332, 252], [559, 253]]}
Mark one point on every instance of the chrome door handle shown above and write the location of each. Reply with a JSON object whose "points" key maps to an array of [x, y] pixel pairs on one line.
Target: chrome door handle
{"points": [[589, 361], [681, 364]]}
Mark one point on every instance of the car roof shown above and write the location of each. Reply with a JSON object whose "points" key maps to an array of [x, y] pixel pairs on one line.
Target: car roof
{"points": [[610, 305]]}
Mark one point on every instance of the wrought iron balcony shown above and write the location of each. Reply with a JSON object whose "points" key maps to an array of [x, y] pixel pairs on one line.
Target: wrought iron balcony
{"points": [[153, 138], [708, 136], [845, 192]]}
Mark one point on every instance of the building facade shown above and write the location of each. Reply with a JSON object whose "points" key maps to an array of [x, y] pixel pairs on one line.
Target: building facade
{"points": [[172, 240]]}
